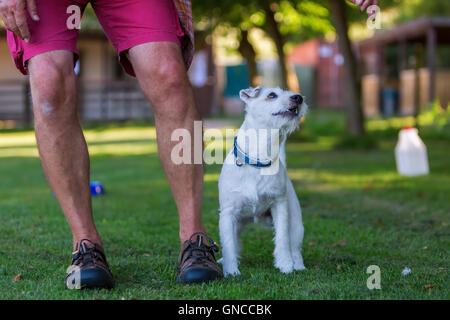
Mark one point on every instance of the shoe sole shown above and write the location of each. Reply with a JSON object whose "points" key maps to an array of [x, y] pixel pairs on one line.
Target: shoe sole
{"points": [[198, 275]]}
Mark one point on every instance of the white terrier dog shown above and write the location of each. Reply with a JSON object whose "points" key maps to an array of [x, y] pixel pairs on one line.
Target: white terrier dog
{"points": [[254, 181]]}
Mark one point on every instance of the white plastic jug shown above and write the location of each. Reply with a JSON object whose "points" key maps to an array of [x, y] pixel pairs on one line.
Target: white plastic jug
{"points": [[411, 153]]}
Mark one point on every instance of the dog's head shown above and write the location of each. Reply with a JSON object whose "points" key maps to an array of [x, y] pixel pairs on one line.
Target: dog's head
{"points": [[274, 108]]}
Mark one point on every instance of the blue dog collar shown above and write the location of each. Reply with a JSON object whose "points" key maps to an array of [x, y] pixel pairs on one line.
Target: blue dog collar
{"points": [[243, 158]]}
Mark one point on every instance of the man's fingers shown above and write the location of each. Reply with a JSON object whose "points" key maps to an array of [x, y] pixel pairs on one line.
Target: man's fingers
{"points": [[32, 10], [10, 23], [374, 3], [357, 2], [21, 23], [372, 11], [365, 4]]}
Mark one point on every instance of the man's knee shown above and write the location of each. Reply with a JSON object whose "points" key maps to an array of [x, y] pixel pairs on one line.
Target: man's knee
{"points": [[167, 81], [168, 74], [53, 85]]}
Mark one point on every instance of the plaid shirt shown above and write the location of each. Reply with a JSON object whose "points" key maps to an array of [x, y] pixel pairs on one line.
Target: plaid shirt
{"points": [[187, 43]]}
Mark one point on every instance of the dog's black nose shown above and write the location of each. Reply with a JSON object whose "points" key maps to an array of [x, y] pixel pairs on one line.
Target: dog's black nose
{"points": [[297, 99]]}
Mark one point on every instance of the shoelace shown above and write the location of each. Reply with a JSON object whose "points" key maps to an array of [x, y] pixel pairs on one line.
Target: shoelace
{"points": [[199, 241], [87, 255], [203, 249]]}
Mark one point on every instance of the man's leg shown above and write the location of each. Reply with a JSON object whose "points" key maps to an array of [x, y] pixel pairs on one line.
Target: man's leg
{"points": [[61, 144], [162, 76]]}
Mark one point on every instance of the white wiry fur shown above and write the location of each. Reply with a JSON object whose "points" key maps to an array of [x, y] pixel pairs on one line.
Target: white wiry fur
{"points": [[245, 193]]}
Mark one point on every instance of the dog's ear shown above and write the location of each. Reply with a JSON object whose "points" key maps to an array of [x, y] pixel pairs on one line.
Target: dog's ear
{"points": [[251, 92]]}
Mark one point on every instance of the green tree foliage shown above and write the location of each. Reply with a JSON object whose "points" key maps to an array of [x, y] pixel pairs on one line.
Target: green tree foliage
{"points": [[303, 20], [89, 21], [419, 8], [283, 21]]}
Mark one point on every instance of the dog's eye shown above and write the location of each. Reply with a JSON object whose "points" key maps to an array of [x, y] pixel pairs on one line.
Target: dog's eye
{"points": [[272, 95]]}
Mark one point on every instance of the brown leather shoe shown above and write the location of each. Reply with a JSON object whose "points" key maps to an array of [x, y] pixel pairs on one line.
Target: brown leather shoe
{"points": [[196, 262]]}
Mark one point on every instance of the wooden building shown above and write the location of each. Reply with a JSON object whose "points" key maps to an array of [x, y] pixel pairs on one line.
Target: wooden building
{"points": [[403, 69], [412, 59], [319, 68]]}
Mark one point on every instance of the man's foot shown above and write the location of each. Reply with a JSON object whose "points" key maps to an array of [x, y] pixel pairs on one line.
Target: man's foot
{"points": [[196, 262], [89, 268]]}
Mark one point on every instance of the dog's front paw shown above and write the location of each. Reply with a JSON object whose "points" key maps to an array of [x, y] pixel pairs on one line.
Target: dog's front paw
{"points": [[285, 268], [231, 272], [298, 263], [299, 267]]}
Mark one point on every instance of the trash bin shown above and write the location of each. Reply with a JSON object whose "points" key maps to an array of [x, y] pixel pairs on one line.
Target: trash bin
{"points": [[390, 101], [236, 79]]}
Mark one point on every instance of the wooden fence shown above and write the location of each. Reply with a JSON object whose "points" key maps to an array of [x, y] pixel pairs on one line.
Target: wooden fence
{"points": [[103, 101], [15, 101]]}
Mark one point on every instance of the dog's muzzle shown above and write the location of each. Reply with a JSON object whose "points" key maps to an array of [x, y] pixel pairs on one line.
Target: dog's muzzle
{"points": [[297, 99], [295, 102]]}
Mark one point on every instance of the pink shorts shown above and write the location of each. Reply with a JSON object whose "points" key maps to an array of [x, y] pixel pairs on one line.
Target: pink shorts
{"points": [[127, 23]]}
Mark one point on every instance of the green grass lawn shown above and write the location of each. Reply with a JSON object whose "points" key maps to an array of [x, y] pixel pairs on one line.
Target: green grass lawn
{"points": [[357, 212]]}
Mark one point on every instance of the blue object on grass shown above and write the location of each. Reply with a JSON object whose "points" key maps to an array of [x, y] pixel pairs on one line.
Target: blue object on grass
{"points": [[97, 188]]}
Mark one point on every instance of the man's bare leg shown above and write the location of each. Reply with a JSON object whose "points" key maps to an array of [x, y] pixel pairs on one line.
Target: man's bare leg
{"points": [[162, 76], [61, 144]]}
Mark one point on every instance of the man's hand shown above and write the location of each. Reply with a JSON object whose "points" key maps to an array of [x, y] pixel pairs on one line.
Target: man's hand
{"points": [[12, 12], [364, 4]]}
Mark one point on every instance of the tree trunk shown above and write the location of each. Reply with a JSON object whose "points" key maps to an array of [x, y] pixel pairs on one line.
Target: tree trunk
{"points": [[355, 115], [248, 52], [278, 39]]}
